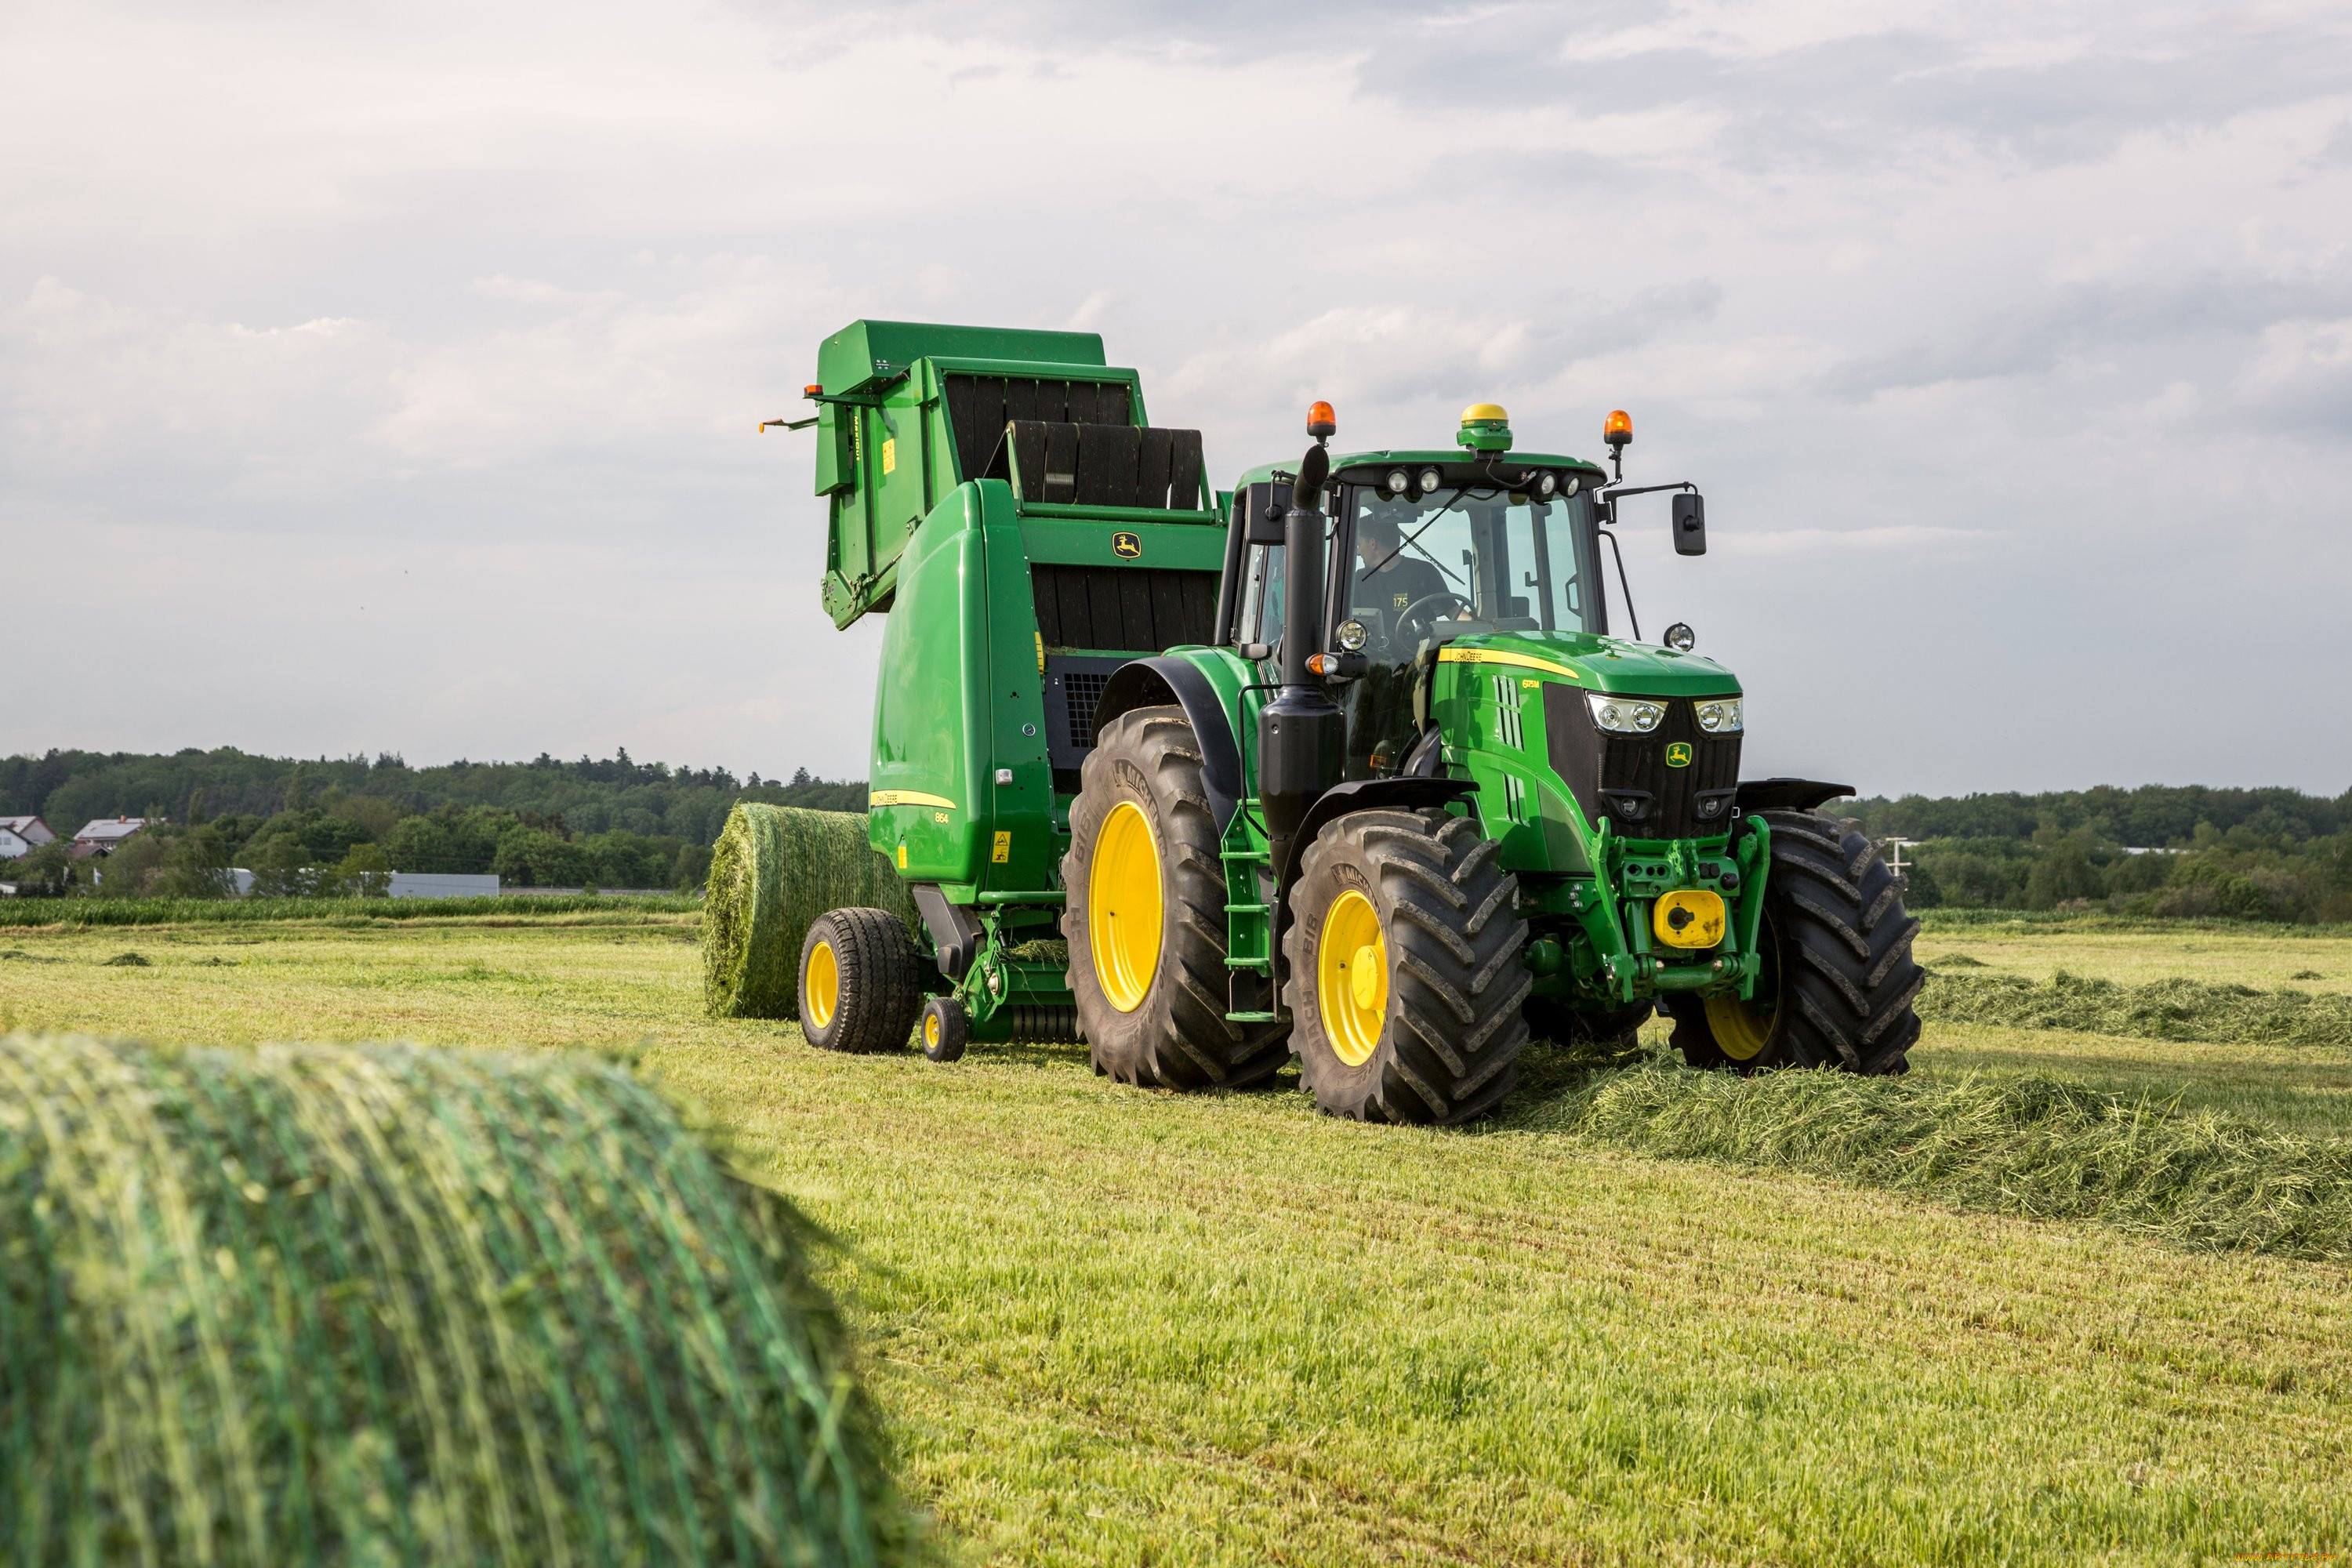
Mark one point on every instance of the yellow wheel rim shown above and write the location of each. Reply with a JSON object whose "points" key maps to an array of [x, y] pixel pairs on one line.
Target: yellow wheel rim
{"points": [[931, 1032], [821, 986], [1740, 1031], [1123, 907], [1351, 977]]}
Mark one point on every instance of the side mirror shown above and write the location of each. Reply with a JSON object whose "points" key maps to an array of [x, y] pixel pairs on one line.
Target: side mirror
{"points": [[1690, 523]]}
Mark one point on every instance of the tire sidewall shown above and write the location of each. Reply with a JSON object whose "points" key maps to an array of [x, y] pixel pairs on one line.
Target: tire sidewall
{"points": [[1332, 1081], [1118, 1039], [822, 929]]}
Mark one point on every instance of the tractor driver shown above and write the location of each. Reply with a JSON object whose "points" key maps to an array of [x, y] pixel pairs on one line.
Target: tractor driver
{"points": [[1391, 581]]}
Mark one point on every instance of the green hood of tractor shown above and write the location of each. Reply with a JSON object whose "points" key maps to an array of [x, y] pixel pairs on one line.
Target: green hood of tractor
{"points": [[1599, 663]]}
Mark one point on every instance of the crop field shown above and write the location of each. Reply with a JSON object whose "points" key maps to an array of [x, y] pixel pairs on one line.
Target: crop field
{"points": [[1105, 1325]]}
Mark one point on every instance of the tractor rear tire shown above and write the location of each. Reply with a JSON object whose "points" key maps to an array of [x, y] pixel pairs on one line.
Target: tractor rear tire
{"points": [[1839, 982], [1407, 992], [1146, 916], [860, 982]]}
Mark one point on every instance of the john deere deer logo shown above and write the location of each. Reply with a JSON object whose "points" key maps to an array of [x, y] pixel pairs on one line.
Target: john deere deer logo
{"points": [[1678, 754], [1126, 546]]}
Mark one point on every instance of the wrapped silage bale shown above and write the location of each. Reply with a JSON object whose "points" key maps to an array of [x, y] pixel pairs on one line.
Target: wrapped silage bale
{"points": [[774, 871], [383, 1305]]}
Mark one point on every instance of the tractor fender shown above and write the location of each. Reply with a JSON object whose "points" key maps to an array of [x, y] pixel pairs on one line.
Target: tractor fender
{"points": [[1150, 682], [1362, 794], [1788, 794]]}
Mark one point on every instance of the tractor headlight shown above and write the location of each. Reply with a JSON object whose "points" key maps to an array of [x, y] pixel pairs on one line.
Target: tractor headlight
{"points": [[1719, 715], [1430, 480], [1397, 482], [1352, 637], [1546, 485], [1625, 715]]}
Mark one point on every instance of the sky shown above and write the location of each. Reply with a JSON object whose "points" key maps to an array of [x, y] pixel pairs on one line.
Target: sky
{"points": [[385, 378]]}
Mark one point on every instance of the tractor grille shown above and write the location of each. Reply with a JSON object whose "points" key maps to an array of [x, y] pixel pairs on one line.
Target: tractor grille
{"points": [[1625, 777]]}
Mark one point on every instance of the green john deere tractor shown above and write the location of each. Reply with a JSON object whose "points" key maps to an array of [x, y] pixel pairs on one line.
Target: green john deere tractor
{"points": [[1345, 764]]}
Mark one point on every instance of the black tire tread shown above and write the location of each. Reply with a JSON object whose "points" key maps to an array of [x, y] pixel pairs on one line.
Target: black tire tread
{"points": [[1846, 969], [1450, 1050], [881, 981], [1179, 1037]]}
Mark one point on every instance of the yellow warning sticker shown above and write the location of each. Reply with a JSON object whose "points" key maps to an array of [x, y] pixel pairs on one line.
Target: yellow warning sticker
{"points": [[902, 857], [1003, 852], [889, 455]]}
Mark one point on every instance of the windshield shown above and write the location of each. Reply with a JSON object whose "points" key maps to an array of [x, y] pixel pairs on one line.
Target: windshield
{"points": [[1507, 559]]}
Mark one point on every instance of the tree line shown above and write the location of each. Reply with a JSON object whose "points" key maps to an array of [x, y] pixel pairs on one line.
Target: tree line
{"points": [[324, 827], [2159, 850]]}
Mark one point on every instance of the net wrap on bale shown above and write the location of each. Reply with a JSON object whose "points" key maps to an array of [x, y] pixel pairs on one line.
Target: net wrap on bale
{"points": [[774, 870], [379, 1305]]}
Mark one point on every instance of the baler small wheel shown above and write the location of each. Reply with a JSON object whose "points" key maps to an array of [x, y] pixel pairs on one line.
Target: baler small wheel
{"points": [[1146, 915], [1407, 992], [1839, 983], [861, 981], [946, 1029]]}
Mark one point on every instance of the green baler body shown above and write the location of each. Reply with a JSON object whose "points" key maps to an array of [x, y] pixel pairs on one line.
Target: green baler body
{"points": [[962, 687], [984, 667]]}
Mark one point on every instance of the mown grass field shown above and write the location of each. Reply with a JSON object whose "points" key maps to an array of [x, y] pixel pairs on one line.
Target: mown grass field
{"points": [[1117, 1326]]}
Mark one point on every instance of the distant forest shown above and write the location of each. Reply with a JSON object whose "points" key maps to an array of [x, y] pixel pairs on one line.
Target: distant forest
{"points": [[301, 825], [2245, 854], [306, 826]]}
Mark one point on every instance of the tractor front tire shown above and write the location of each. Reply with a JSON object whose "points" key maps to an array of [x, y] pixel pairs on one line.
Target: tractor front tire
{"points": [[861, 981], [1146, 915], [1839, 982], [1407, 989]]}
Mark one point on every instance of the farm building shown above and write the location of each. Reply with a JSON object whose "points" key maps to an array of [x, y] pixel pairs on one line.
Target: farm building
{"points": [[442, 885], [104, 837], [22, 834]]}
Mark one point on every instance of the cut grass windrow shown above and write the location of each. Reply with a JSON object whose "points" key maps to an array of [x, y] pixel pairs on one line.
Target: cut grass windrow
{"points": [[369, 1304], [2036, 1146], [2176, 1009]]}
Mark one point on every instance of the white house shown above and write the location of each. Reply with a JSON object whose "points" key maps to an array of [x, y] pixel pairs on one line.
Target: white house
{"points": [[103, 836], [22, 834]]}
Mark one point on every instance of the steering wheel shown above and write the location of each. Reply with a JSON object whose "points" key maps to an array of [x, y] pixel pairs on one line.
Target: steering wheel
{"points": [[1411, 614]]}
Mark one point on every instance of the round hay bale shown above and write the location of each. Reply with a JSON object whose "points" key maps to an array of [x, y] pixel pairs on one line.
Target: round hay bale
{"points": [[375, 1304], [774, 870]]}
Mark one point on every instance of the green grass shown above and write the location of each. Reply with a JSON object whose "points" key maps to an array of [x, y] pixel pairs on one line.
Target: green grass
{"points": [[2032, 1145], [1107, 1325], [2158, 1010]]}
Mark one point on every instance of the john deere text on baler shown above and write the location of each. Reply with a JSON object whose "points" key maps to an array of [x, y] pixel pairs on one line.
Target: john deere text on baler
{"points": [[1345, 764]]}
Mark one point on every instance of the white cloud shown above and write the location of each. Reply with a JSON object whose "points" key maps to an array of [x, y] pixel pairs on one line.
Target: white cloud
{"points": [[2003, 339]]}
